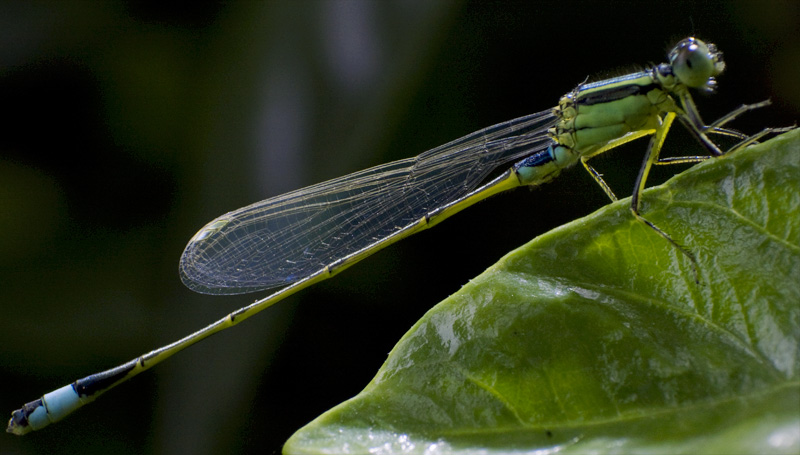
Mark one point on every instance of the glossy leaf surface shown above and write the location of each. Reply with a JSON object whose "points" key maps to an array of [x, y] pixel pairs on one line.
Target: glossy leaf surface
{"points": [[595, 337]]}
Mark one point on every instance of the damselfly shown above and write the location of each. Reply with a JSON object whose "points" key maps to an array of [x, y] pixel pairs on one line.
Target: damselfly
{"points": [[306, 236]]}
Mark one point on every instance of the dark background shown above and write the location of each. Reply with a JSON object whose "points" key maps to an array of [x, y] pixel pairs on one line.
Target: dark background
{"points": [[126, 126]]}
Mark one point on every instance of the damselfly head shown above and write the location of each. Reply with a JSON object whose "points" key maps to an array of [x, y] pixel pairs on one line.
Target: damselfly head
{"points": [[695, 63]]}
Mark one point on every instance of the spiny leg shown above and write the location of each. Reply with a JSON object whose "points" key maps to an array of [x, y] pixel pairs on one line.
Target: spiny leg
{"points": [[692, 121], [699, 158], [727, 132], [650, 158], [755, 137], [716, 128], [693, 124], [681, 160], [598, 177], [735, 113]]}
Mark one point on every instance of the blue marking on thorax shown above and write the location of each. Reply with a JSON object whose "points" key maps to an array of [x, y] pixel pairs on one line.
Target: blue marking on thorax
{"points": [[538, 168], [537, 159]]}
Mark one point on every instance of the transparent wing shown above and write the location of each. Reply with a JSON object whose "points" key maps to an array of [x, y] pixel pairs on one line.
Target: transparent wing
{"points": [[286, 238]]}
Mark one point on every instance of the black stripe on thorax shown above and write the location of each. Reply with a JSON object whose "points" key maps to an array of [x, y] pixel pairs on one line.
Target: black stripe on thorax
{"points": [[613, 93]]}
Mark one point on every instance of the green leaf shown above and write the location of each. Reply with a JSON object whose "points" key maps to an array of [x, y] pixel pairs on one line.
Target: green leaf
{"points": [[595, 337]]}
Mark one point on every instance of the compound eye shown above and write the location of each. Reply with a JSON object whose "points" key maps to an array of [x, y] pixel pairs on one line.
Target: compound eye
{"points": [[694, 63]]}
